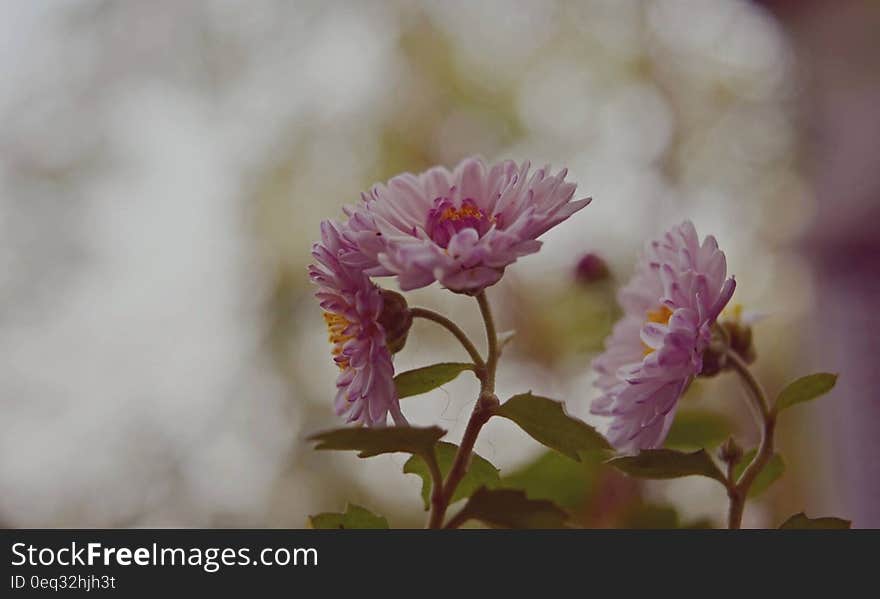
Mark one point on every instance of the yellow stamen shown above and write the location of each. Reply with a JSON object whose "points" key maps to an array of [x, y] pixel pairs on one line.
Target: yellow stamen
{"points": [[660, 316], [466, 211], [336, 327]]}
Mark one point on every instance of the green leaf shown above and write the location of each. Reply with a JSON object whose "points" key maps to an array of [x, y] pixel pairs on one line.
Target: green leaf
{"points": [[422, 380], [805, 389], [697, 429], [545, 421], [510, 508], [661, 464], [557, 478], [801, 522], [772, 472], [480, 473], [376, 441], [354, 517]]}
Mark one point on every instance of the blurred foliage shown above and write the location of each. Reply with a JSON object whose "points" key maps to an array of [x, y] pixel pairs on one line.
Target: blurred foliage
{"points": [[594, 494], [553, 326], [554, 477]]}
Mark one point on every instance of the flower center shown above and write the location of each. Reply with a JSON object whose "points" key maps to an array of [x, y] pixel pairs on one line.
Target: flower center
{"points": [[446, 219], [336, 327], [660, 316]]}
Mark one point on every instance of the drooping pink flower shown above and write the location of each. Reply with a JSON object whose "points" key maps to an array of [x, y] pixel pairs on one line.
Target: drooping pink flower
{"points": [[352, 308], [656, 349], [462, 228]]}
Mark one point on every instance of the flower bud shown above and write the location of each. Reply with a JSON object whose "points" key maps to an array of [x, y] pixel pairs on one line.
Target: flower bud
{"points": [[730, 452], [591, 269], [740, 335], [395, 319], [714, 361]]}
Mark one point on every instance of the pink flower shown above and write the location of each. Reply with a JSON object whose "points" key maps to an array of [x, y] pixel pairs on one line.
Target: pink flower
{"points": [[462, 228], [352, 308], [656, 349]]}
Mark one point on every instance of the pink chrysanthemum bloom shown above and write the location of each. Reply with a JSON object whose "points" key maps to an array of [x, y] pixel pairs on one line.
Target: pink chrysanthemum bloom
{"points": [[352, 310], [656, 349], [461, 227]]}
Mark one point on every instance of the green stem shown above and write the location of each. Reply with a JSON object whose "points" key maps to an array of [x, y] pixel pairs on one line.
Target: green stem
{"points": [[492, 338], [455, 330], [756, 391], [738, 491], [483, 410]]}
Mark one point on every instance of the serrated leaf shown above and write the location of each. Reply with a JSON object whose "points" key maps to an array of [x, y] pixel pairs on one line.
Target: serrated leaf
{"points": [[772, 472], [355, 517], [802, 522], [805, 389], [697, 429], [376, 441], [422, 380], [662, 464], [481, 473], [510, 508], [545, 421]]}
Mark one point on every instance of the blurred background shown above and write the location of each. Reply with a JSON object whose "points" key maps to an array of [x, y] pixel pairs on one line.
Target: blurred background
{"points": [[164, 166]]}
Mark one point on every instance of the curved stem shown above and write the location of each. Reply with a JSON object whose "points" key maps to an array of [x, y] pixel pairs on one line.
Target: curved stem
{"points": [[484, 409], [765, 454], [756, 391], [738, 491], [455, 330]]}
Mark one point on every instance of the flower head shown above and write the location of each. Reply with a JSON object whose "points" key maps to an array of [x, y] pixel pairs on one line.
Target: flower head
{"points": [[353, 309], [462, 228], [656, 349]]}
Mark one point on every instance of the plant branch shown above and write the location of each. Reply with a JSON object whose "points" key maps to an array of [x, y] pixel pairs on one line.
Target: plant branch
{"points": [[756, 391], [453, 328], [483, 410], [738, 491], [492, 340]]}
